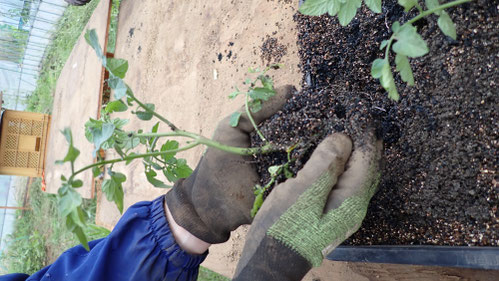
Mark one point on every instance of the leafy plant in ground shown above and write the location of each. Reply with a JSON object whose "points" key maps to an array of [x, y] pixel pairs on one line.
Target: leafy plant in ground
{"points": [[108, 133], [405, 41]]}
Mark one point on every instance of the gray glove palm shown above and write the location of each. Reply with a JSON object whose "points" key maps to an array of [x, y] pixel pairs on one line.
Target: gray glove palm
{"points": [[306, 217]]}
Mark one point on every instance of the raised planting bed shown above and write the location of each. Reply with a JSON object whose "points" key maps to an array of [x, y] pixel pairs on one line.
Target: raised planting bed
{"points": [[440, 184]]}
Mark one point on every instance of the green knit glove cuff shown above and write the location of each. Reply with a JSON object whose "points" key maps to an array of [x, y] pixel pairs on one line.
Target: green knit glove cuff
{"points": [[307, 230]]}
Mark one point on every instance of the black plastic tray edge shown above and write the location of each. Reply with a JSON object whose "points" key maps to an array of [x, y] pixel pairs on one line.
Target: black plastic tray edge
{"points": [[452, 256]]}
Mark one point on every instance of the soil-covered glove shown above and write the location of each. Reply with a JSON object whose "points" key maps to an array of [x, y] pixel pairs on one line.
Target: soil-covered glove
{"points": [[218, 196], [306, 217]]}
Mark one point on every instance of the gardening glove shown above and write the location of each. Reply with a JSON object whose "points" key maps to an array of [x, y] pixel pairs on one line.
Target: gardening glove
{"points": [[306, 217], [218, 196]]}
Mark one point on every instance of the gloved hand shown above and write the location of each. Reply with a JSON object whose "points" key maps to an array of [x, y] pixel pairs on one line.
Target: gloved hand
{"points": [[306, 217], [218, 196]]}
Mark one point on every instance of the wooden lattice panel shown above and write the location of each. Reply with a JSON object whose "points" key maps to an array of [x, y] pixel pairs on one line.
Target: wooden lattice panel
{"points": [[12, 142], [9, 158], [13, 126], [22, 143], [25, 127], [33, 159], [22, 159], [37, 128]]}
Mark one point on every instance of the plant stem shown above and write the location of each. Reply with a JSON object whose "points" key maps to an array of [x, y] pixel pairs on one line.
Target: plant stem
{"points": [[253, 121], [388, 46], [436, 9], [211, 143], [135, 156], [159, 116]]}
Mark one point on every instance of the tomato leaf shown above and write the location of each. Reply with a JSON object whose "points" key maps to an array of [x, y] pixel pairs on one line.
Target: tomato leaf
{"points": [[404, 67], [446, 25]]}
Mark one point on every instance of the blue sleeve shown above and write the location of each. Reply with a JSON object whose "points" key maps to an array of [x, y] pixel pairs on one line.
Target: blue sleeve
{"points": [[140, 247]]}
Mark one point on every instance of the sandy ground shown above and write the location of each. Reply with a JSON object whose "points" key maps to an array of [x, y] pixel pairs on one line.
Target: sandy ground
{"points": [[185, 57], [76, 99]]}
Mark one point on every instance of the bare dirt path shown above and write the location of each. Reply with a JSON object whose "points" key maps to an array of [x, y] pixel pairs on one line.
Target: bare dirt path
{"points": [[76, 99]]}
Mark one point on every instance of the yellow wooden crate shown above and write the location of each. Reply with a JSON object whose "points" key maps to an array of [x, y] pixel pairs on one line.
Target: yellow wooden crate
{"points": [[23, 139]]}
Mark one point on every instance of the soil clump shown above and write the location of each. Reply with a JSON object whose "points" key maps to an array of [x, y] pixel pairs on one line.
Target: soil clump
{"points": [[439, 179]]}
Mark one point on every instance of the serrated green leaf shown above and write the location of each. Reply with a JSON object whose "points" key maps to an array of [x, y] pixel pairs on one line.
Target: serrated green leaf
{"points": [[113, 189], [93, 41], [120, 123], [96, 171], [116, 106], [155, 128], [73, 152], [169, 145], [374, 5], [383, 44], [146, 115], [381, 69], [234, 94], [69, 201], [267, 82], [431, 4], [261, 93], [407, 4], [102, 135], [404, 67], [119, 87], [287, 173], [393, 93], [395, 26], [78, 231], [257, 204], [347, 11], [169, 174], [446, 25], [234, 119], [77, 183], [151, 178], [409, 42], [131, 143], [378, 67], [320, 7], [182, 170], [251, 70], [273, 170], [118, 67], [255, 105], [78, 217]]}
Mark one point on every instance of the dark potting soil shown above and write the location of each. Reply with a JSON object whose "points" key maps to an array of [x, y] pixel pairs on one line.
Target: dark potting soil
{"points": [[440, 180]]}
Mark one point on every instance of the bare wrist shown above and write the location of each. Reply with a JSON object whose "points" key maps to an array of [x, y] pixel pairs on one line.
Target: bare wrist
{"points": [[184, 238]]}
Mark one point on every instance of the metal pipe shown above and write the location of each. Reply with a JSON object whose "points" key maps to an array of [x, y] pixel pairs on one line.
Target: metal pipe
{"points": [[11, 70], [17, 45], [14, 208], [12, 53]]}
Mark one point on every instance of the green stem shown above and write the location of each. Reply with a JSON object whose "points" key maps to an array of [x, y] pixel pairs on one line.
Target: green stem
{"points": [[211, 143], [436, 9], [135, 156], [159, 116], [253, 121], [388, 46]]}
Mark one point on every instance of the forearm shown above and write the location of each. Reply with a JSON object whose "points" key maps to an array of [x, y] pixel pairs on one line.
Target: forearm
{"points": [[187, 241]]}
